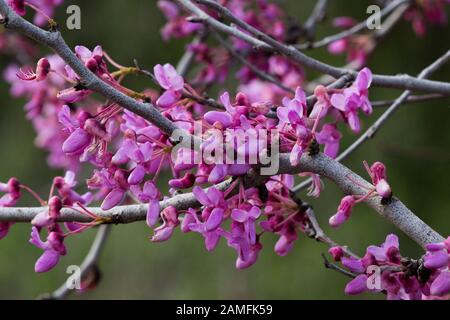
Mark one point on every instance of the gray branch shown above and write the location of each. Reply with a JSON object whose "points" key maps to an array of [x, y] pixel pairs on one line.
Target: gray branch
{"points": [[260, 40], [395, 212]]}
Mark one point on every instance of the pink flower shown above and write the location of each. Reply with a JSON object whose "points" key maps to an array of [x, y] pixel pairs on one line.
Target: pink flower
{"points": [[42, 70], [323, 103], [12, 193], [336, 252], [377, 173], [388, 251], [48, 217], [53, 249], [354, 98], [293, 110], [18, 6], [151, 195], [209, 228], [248, 219], [357, 285], [330, 137], [173, 83], [343, 212], [441, 285], [165, 231], [177, 25], [353, 264]]}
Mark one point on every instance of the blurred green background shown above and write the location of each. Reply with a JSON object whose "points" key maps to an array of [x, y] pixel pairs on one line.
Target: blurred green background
{"points": [[414, 145]]}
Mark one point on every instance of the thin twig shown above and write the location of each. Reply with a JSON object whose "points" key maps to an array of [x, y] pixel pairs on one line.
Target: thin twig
{"points": [[317, 15], [411, 99], [349, 32]]}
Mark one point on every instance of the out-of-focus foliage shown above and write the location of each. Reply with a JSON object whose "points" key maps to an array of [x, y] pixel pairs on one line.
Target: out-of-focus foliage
{"points": [[414, 145]]}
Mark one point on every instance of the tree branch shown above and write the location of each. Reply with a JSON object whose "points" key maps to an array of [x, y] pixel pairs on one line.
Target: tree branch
{"points": [[260, 40], [395, 212]]}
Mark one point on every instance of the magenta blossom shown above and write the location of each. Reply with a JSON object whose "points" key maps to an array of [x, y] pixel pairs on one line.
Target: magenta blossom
{"points": [[354, 98], [330, 137], [53, 248], [42, 70], [18, 6], [12, 193], [378, 175], [343, 212], [209, 228], [248, 219], [173, 83]]}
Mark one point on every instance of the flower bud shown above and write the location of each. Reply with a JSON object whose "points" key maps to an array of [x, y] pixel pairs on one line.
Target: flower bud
{"points": [[42, 69]]}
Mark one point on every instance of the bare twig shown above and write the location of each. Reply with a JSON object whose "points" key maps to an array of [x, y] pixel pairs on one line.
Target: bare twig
{"points": [[317, 15], [355, 29]]}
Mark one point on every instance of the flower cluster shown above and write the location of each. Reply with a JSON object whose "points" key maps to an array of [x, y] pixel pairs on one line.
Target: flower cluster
{"points": [[125, 155], [128, 153], [383, 269]]}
